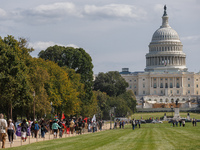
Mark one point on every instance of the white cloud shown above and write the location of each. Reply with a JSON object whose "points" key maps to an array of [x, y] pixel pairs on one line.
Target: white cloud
{"points": [[115, 10], [54, 10], [43, 45], [158, 8], [192, 38], [2, 13]]}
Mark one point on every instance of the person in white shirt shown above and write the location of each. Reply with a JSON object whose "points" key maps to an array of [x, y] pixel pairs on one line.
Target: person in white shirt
{"points": [[3, 129], [10, 130]]}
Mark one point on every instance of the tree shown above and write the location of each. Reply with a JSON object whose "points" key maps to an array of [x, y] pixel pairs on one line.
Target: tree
{"points": [[14, 84], [111, 83], [73, 58], [130, 99]]}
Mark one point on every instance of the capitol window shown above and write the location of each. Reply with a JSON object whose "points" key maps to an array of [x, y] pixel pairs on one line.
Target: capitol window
{"points": [[188, 85], [177, 78], [188, 91], [197, 85], [177, 85], [197, 92], [143, 85], [188, 78], [143, 92], [177, 91], [161, 85], [154, 86], [171, 85]]}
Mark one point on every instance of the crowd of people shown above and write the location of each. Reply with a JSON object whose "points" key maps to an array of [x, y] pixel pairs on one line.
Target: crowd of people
{"points": [[38, 129]]}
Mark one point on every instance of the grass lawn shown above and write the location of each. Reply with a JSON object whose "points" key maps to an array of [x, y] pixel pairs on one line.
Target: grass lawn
{"points": [[161, 114], [148, 137]]}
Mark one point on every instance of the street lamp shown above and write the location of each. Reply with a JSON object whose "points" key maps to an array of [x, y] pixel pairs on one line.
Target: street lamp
{"points": [[33, 105], [51, 110], [111, 110]]}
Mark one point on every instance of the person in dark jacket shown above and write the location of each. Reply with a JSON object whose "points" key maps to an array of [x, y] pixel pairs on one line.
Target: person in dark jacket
{"points": [[43, 128], [24, 129]]}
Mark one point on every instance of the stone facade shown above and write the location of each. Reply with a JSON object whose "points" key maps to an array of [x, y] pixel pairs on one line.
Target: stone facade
{"points": [[165, 79]]}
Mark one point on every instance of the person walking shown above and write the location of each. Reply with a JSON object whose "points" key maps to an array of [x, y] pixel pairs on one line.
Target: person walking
{"points": [[43, 128], [80, 126], [3, 128], [71, 126], [193, 122], [32, 128], [10, 131], [94, 126], [183, 122], [36, 129], [133, 124], [24, 129], [139, 123], [55, 127]]}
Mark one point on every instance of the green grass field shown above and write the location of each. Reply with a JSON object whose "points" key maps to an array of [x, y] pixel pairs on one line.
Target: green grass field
{"points": [[148, 137]]}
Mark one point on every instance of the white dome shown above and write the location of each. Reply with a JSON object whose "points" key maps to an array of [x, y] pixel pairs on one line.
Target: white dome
{"points": [[165, 34], [165, 50]]}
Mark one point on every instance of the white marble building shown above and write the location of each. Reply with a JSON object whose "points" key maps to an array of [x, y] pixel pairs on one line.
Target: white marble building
{"points": [[165, 79]]}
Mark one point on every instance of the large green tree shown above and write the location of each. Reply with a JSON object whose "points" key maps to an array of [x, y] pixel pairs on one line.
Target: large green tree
{"points": [[73, 58], [111, 83], [14, 84]]}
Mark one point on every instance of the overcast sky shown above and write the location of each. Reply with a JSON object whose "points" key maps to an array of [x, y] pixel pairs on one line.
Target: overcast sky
{"points": [[116, 33]]}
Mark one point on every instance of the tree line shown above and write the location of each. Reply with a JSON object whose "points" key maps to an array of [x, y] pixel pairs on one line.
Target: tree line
{"points": [[60, 79]]}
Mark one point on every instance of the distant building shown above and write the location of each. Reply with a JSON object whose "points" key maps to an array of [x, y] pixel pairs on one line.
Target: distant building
{"points": [[165, 80]]}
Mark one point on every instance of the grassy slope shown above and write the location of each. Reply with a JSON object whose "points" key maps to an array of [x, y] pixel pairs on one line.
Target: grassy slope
{"points": [[161, 114], [150, 136]]}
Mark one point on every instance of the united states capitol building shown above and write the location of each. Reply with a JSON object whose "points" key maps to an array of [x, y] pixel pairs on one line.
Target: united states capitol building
{"points": [[165, 80]]}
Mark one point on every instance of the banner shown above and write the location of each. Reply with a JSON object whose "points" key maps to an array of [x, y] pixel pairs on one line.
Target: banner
{"points": [[18, 131]]}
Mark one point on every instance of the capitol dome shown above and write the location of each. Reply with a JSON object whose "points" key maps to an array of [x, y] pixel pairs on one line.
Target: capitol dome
{"points": [[165, 34], [165, 50]]}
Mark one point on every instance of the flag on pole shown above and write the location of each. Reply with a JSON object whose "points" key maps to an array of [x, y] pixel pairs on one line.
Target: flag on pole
{"points": [[94, 119], [63, 116]]}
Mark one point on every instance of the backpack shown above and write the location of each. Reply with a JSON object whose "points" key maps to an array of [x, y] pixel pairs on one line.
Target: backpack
{"points": [[36, 127]]}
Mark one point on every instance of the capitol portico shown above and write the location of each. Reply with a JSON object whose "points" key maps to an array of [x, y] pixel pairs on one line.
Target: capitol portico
{"points": [[165, 79]]}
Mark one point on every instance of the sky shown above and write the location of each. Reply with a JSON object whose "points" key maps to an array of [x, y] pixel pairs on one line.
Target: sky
{"points": [[115, 33]]}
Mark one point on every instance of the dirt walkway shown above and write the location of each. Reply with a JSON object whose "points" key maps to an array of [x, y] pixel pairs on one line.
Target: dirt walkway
{"points": [[29, 140]]}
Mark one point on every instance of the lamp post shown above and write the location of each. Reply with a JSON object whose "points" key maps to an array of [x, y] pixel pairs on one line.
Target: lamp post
{"points": [[33, 105], [51, 110], [111, 110]]}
